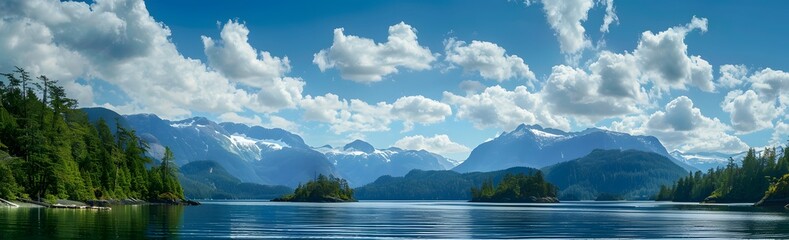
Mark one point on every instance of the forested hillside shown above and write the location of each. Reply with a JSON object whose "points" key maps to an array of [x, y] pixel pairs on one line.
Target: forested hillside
{"points": [[433, 185], [49, 150], [746, 182], [209, 180], [628, 174]]}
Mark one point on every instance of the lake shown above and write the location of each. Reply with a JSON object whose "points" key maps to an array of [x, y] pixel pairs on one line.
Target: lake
{"points": [[398, 219]]}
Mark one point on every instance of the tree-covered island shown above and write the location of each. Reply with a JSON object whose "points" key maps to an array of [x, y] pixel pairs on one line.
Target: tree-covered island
{"points": [[517, 188], [321, 189]]}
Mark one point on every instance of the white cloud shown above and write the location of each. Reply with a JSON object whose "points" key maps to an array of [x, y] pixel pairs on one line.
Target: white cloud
{"points": [[235, 58], [420, 109], [732, 75], [780, 135], [610, 15], [322, 108], [610, 90], [663, 58], [362, 60], [240, 62], [682, 126], [499, 108], [255, 120], [565, 18], [129, 49], [747, 112], [490, 60], [29, 44], [771, 85], [439, 143], [358, 116], [280, 122], [236, 118], [756, 108]]}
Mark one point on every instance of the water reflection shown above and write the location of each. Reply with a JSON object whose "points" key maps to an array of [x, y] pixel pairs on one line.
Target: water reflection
{"points": [[371, 219], [125, 222]]}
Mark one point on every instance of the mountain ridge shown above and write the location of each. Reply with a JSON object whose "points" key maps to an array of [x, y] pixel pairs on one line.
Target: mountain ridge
{"points": [[535, 146]]}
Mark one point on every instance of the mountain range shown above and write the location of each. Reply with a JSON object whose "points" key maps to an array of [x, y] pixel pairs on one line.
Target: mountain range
{"points": [[537, 147], [268, 156], [361, 163]]}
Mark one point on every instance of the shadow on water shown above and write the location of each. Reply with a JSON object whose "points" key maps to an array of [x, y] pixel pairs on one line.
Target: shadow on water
{"points": [[122, 222]]}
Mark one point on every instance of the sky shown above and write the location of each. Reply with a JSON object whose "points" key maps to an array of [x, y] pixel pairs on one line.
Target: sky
{"points": [[445, 76]]}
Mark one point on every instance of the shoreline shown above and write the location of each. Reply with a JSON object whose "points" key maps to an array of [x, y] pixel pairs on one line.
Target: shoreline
{"points": [[90, 204]]}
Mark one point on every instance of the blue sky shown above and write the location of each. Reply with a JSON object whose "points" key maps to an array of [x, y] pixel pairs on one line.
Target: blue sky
{"points": [[656, 71]]}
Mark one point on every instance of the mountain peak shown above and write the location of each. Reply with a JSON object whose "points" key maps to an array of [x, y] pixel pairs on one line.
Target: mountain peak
{"points": [[360, 146]]}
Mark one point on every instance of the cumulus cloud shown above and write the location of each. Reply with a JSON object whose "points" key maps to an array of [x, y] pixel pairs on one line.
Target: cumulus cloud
{"points": [[133, 51], [420, 109], [611, 89], [362, 60], [565, 18], [780, 135], [747, 112], [499, 108], [235, 58], [771, 85], [358, 116], [732, 75], [663, 58], [489, 59], [756, 108], [240, 62], [682, 126], [439, 143], [31, 45]]}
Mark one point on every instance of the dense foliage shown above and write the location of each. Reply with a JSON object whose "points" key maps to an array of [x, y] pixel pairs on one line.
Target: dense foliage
{"points": [[58, 153], [209, 180], [777, 193], [432, 185], [628, 174], [514, 188], [322, 189], [747, 182]]}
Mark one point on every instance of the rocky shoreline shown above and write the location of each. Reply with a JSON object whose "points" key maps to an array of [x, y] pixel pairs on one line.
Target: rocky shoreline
{"points": [[92, 204]]}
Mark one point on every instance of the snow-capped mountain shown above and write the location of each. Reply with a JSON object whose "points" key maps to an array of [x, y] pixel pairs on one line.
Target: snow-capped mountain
{"points": [[704, 161], [252, 154], [708, 160], [361, 163], [537, 147]]}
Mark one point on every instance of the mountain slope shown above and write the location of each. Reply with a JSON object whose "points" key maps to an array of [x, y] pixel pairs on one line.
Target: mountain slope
{"points": [[207, 179], [252, 154], [431, 185], [360, 163], [631, 174], [534, 146]]}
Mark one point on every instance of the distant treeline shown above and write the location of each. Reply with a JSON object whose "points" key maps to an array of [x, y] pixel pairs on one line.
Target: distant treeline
{"points": [[50, 150], [734, 183]]}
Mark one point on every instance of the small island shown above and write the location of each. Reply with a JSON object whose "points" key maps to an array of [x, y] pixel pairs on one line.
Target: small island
{"points": [[321, 189], [520, 188]]}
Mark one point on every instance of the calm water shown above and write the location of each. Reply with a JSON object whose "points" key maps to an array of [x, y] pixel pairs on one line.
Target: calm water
{"points": [[380, 219]]}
